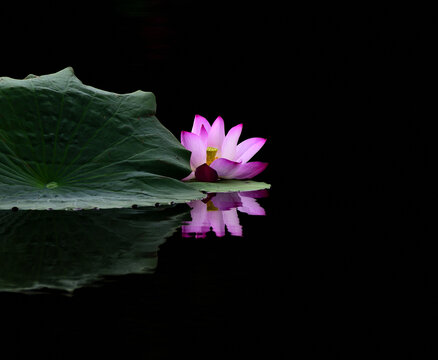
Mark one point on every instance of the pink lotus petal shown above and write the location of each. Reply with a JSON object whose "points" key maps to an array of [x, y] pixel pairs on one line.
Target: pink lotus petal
{"points": [[203, 134], [189, 177], [200, 224], [198, 123], [216, 221], [193, 143], [256, 194], [230, 142], [226, 201], [231, 158], [206, 173], [231, 219], [225, 168], [216, 135], [217, 212], [248, 170], [248, 148], [250, 206]]}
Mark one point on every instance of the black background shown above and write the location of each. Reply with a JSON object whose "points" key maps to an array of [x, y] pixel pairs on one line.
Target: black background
{"points": [[344, 263], [209, 58]]}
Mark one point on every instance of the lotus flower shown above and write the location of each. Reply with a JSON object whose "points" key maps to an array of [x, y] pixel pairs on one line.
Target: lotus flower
{"points": [[218, 211], [216, 155]]}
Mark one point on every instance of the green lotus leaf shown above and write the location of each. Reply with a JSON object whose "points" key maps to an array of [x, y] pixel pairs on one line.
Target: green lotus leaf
{"points": [[67, 145], [228, 185]]}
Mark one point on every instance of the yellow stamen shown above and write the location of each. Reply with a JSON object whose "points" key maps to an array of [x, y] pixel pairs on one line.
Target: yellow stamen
{"points": [[211, 155], [211, 207]]}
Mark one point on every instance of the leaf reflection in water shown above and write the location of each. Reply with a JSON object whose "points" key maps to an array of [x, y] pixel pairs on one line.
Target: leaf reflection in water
{"points": [[66, 250], [219, 211]]}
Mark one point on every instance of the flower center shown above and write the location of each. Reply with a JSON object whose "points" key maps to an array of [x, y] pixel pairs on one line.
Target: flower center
{"points": [[211, 155], [211, 207]]}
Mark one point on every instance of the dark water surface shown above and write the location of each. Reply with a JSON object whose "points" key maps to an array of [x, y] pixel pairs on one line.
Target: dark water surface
{"points": [[141, 283], [331, 276]]}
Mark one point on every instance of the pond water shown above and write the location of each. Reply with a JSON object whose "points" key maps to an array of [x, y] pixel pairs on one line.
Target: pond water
{"points": [[142, 282], [67, 250], [236, 274]]}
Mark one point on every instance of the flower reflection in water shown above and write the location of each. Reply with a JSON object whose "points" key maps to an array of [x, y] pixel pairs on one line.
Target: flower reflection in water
{"points": [[219, 210]]}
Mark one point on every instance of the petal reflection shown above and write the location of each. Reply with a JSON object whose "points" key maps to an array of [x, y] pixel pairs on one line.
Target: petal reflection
{"points": [[219, 213]]}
